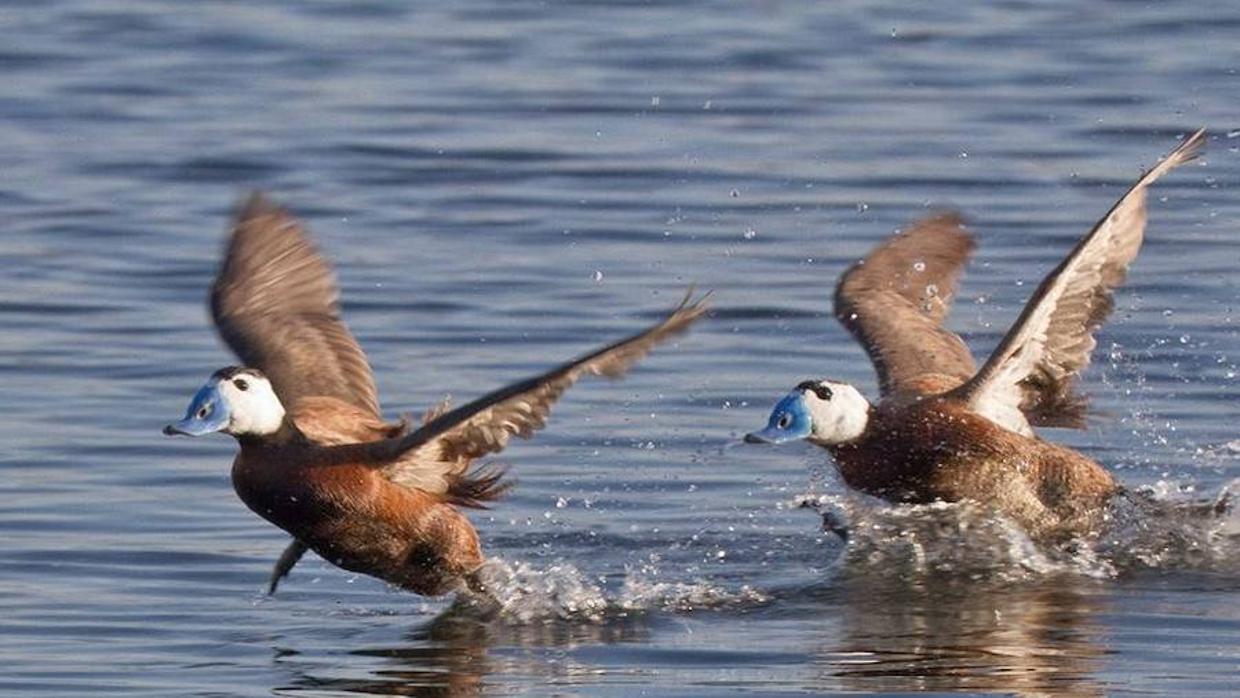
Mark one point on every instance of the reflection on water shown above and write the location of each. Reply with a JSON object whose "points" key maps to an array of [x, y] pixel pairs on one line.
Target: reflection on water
{"points": [[454, 653], [932, 634], [1029, 640]]}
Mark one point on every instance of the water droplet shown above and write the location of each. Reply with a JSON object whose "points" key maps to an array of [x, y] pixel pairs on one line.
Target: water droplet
{"points": [[654, 101], [735, 193], [1168, 312], [751, 234], [932, 290], [561, 503], [597, 277], [862, 207], [919, 266]]}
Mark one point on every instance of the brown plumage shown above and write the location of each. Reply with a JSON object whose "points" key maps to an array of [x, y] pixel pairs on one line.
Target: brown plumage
{"points": [[333, 500], [276, 304], [944, 431], [369, 495], [894, 302], [937, 450]]}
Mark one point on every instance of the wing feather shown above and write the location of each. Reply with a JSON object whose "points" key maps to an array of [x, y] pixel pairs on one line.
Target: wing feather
{"points": [[1030, 378], [436, 455], [895, 300], [276, 304]]}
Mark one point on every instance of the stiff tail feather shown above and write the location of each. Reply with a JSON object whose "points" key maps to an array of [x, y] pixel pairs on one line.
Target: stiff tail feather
{"points": [[479, 487]]}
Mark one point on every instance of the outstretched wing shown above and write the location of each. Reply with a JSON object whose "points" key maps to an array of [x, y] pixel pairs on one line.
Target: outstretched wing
{"points": [[436, 455], [275, 303], [1034, 368], [894, 302]]}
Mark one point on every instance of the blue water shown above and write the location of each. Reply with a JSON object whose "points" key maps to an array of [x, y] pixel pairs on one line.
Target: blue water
{"points": [[503, 185]]}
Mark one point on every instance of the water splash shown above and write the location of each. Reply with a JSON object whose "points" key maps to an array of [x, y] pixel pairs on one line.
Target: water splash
{"points": [[523, 594], [1159, 527], [961, 540], [644, 589], [1152, 528]]}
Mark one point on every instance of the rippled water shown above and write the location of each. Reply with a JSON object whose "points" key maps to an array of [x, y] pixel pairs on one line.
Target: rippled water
{"points": [[506, 184]]}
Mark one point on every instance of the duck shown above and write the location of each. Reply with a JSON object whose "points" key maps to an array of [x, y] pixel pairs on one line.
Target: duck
{"points": [[944, 430], [317, 459]]}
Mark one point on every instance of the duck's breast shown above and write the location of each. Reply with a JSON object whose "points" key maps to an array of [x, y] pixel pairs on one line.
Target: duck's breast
{"points": [[294, 494], [353, 517]]}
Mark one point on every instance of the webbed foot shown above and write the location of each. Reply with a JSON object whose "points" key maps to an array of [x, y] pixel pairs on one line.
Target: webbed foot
{"points": [[285, 564]]}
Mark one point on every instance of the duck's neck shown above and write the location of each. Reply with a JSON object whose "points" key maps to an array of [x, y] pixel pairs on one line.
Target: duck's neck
{"points": [[287, 435]]}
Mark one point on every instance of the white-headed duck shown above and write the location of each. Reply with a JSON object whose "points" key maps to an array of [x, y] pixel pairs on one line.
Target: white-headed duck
{"points": [[316, 457], [945, 430]]}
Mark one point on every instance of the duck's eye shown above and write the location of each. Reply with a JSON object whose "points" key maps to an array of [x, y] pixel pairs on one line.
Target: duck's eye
{"points": [[823, 392], [204, 411], [241, 384], [785, 420]]}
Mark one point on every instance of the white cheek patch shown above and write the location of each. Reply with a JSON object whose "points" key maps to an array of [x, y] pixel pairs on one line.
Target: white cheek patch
{"points": [[842, 418], [255, 411]]}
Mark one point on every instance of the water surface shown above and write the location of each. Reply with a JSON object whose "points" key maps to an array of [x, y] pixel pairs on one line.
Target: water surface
{"points": [[503, 185]]}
